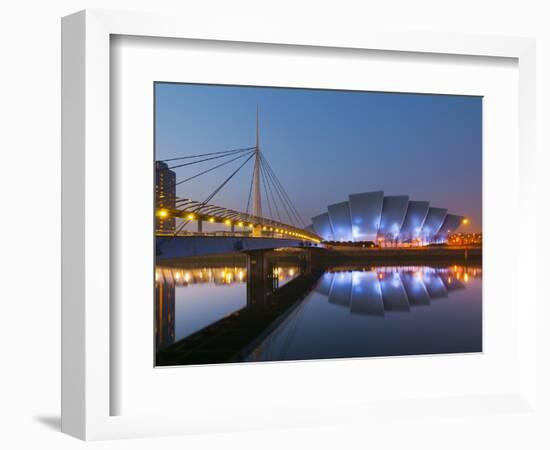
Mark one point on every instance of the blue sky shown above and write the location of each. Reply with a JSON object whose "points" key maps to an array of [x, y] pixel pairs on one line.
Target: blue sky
{"points": [[324, 145]]}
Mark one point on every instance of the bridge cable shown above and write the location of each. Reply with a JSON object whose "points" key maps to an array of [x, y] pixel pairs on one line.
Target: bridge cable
{"points": [[266, 194], [267, 180], [290, 203], [281, 197], [273, 182], [207, 154], [211, 169], [177, 199], [210, 197], [275, 194], [203, 160], [285, 194], [271, 190]]}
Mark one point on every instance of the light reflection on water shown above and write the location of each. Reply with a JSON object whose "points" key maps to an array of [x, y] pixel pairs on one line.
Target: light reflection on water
{"points": [[382, 311], [351, 312], [190, 299]]}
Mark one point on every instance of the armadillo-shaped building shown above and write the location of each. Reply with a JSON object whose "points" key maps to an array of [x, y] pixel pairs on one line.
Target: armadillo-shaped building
{"points": [[373, 216]]}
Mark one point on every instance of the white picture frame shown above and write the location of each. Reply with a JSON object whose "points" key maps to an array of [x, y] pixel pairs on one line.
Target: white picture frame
{"points": [[86, 246]]}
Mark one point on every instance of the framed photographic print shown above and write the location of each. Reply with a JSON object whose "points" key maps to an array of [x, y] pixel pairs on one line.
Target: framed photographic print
{"points": [[252, 219], [275, 274]]}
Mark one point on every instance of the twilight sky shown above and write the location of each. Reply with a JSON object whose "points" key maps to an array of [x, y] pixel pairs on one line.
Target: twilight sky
{"points": [[324, 145]]}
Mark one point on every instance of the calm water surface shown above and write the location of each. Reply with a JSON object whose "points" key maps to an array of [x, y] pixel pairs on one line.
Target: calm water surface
{"points": [[382, 312], [350, 312], [190, 299]]}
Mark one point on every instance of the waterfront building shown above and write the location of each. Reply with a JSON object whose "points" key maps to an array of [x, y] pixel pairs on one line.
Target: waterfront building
{"points": [[165, 197], [386, 220]]}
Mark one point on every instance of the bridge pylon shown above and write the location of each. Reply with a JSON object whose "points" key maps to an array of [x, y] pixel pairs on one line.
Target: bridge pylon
{"points": [[257, 206]]}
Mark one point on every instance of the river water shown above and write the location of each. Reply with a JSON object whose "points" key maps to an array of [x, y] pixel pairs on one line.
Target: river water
{"points": [[349, 312]]}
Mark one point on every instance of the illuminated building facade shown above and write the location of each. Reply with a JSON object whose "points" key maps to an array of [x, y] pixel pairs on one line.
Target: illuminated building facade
{"points": [[165, 196], [475, 239], [385, 220]]}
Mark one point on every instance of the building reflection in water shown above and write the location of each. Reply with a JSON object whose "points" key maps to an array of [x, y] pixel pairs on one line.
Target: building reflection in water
{"points": [[341, 315], [376, 290], [165, 311], [382, 311]]}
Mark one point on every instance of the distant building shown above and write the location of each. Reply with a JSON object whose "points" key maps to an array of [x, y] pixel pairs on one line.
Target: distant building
{"points": [[466, 239], [385, 220], [165, 196]]}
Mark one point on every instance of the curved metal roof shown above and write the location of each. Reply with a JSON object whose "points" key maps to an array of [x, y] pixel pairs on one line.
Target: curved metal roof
{"points": [[370, 216]]}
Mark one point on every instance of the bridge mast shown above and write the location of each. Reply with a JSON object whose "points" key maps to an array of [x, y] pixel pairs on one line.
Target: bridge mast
{"points": [[257, 206]]}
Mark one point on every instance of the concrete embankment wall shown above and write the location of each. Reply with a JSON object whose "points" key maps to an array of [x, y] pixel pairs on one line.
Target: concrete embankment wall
{"points": [[403, 255], [330, 257]]}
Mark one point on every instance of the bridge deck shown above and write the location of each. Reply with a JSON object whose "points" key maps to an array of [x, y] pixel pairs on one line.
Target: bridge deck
{"points": [[183, 246], [189, 211]]}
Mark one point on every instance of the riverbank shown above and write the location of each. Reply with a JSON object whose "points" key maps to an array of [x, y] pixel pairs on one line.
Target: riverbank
{"points": [[409, 255], [343, 255]]}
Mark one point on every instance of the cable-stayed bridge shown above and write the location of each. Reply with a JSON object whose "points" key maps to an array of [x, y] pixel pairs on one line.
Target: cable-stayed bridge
{"points": [[181, 222]]}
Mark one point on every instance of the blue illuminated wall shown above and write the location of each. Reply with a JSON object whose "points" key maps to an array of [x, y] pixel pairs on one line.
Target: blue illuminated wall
{"points": [[394, 210], [340, 221], [414, 220], [371, 216], [365, 211], [321, 224], [433, 223]]}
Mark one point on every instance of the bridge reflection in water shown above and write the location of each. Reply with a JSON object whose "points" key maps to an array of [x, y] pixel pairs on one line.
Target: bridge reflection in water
{"points": [[210, 315], [205, 295]]}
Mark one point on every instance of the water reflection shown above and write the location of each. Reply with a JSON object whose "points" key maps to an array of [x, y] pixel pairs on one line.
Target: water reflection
{"points": [[382, 311], [374, 291], [206, 314], [189, 299], [217, 275]]}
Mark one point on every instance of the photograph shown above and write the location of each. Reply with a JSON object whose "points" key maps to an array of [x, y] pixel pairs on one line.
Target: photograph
{"points": [[300, 224]]}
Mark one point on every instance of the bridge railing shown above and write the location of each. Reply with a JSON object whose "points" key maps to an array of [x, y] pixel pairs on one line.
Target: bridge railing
{"points": [[188, 211], [244, 234]]}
